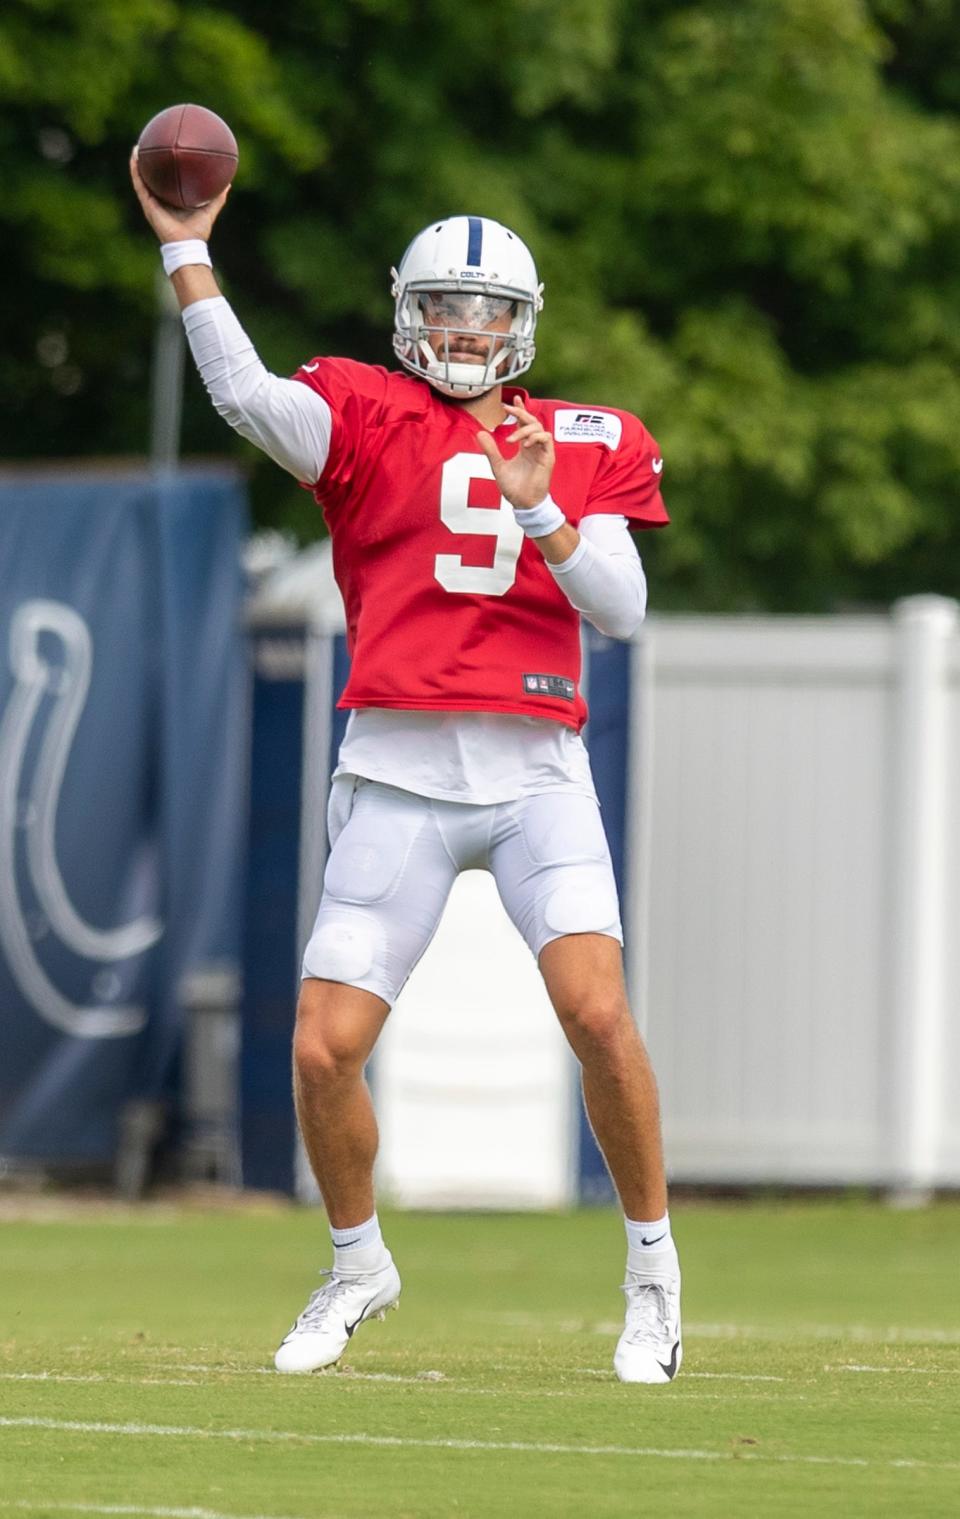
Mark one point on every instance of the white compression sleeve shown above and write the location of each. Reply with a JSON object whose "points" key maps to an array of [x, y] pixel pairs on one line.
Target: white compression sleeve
{"points": [[289, 421], [603, 577]]}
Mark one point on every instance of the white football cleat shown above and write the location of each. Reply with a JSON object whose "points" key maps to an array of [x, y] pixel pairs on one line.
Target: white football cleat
{"points": [[650, 1350], [325, 1327]]}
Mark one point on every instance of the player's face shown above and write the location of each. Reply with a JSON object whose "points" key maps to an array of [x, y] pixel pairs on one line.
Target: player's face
{"points": [[462, 327]]}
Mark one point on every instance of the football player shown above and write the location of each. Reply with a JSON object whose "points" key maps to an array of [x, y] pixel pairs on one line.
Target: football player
{"points": [[471, 527]]}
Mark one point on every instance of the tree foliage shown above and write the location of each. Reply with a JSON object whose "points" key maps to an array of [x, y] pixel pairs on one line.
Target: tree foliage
{"points": [[746, 217]]}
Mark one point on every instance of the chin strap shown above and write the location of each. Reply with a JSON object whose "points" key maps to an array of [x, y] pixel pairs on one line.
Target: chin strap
{"points": [[458, 392], [459, 379]]}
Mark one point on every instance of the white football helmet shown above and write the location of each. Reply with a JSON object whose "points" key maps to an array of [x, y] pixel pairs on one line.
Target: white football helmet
{"points": [[457, 277]]}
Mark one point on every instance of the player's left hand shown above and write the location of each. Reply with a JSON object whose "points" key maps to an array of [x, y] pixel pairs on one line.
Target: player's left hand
{"points": [[525, 479]]}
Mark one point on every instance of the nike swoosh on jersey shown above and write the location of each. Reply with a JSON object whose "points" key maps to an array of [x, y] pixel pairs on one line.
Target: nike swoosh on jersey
{"points": [[658, 466], [309, 368]]}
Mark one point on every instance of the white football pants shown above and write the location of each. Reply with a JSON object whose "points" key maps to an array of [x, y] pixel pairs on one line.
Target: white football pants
{"points": [[394, 857]]}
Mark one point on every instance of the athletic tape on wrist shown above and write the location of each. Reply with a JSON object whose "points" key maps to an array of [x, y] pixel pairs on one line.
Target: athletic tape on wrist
{"points": [[193, 250], [537, 521]]}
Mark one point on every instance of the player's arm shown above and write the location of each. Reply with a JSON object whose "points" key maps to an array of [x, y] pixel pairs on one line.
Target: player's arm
{"points": [[287, 420], [598, 568], [603, 576]]}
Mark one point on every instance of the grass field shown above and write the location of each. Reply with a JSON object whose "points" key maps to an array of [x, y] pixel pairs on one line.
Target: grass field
{"points": [[822, 1370]]}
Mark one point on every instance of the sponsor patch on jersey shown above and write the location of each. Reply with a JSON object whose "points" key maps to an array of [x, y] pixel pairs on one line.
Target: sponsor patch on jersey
{"points": [[587, 427], [550, 685]]}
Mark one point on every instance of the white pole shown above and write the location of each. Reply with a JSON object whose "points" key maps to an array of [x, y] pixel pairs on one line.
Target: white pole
{"points": [[166, 389], [925, 625], [639, 823], [318, 697]]}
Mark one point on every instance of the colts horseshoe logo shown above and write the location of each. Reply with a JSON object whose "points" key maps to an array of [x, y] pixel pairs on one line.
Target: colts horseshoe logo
{"points": [[63, 685]]}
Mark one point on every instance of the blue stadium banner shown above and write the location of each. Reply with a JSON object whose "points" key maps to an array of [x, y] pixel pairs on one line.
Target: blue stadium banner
{"points": [[123, 743], [271, 951]]}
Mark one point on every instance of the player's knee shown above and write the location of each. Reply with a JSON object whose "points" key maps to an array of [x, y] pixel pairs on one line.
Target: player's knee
{"points": [[595, 1017], [325, 1050]]}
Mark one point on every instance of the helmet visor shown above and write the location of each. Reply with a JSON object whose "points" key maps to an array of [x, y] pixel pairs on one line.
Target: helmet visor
{"points": [[464, 309]]}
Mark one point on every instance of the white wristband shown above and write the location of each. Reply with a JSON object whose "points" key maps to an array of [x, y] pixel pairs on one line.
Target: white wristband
{"points": [[537, 521], [193, 250]]}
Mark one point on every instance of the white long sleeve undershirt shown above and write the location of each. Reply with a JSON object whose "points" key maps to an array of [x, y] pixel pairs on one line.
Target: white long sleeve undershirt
{"points": [[603, 577], [290, 422]]}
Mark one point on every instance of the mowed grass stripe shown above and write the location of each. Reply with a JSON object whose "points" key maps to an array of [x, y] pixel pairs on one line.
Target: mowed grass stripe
{"points": [[408, 1442]]}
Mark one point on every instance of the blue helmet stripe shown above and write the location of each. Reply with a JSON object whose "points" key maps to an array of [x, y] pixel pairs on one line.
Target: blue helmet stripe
{"points": [[475, 240]]}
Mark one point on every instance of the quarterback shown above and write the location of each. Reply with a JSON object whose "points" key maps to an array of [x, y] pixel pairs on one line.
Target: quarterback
{"points": [[472, 526]]}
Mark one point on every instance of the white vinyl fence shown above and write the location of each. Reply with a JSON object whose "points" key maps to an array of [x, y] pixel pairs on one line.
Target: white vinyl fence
{"points": [[794, 898]]}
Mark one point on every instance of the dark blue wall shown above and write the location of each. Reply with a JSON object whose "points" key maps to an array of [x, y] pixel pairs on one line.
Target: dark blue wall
{"points": [[123, 743]]}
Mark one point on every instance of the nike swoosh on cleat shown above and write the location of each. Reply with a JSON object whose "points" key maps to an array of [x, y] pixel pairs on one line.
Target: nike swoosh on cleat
{"points": [[655, 1241], [351, 1327], [670, 1367]]}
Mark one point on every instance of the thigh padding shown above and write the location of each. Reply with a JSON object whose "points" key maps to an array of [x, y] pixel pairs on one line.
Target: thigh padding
{"points": [[583, 902], [341, 949], [367, 861], [561, 829]]}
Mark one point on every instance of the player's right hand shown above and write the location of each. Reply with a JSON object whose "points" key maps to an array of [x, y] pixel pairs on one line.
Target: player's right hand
{"points": [[171, 225]]}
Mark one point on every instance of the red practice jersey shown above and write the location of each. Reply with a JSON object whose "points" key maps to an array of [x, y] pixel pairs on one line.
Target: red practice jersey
{"points": [[449, 607]]}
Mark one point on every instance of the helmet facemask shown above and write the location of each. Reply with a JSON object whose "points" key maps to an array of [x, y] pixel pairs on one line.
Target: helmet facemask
{"points": [[463, 320]]}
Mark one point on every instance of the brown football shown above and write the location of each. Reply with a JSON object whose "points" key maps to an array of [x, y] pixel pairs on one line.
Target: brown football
{"points": [[187, 155]]}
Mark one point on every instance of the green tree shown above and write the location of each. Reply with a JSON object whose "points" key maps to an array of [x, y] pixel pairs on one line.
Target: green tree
{"points": [[745, 216]]}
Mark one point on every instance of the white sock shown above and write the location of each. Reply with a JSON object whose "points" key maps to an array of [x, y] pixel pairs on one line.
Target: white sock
{"points": [[648, 1244], [360, 1249]]}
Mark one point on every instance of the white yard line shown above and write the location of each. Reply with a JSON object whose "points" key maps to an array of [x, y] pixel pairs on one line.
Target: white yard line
{"points": [[866, 1334], [349, 1375], [416, 1378], [421, 1379], [404, 1442], [223, 1371], [712, 1376], [916, 1371], [123, 1508], [68, 1376], [732, 1376]]}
